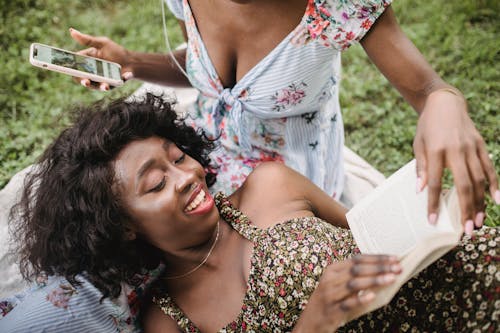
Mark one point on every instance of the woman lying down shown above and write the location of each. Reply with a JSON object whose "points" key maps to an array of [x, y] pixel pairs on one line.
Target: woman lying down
{"points": [[119, 232]]}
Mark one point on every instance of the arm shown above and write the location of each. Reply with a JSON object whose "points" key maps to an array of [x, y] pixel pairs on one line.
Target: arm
{"points": [[160, 68], [150, 67], [445, 136], [322, 204], [271, 192], [274, 192]]}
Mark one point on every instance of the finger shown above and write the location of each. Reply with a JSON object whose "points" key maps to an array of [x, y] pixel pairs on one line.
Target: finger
{"points": [[91, 51], [127, 76], [371, 269], [338, 292], [368, 282], [346, 265], [85, 39], [490, 172], [374, 258], [479, 182], [345, 274], [356, 300], [435, 173], [465, 190], [352, 287], [88, 83], [421, 162], [341, 272], [103, 86], [84, 82]]}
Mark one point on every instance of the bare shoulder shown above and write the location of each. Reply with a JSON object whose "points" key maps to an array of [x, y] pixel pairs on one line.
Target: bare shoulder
{"points": [[272, 193], [269, 171], [156, 321], [272, 180]]}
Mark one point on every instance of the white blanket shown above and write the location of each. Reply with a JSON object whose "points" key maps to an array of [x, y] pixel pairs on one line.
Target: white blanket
{"points": [[361, 178]]}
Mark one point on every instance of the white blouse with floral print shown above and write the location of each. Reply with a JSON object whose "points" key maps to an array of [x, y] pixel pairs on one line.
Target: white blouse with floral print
{"points": [[286, 107]]}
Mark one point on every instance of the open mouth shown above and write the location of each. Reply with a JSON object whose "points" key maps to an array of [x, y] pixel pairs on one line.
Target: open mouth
{"points": [[196, 201]]}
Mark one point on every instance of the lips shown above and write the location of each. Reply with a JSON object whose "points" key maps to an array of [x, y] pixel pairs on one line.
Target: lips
{"points": [[200, 202], [198, 199]]}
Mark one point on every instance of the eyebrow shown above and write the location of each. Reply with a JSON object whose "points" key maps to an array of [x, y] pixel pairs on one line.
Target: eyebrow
{"points": [[149, 163], [144, 168], [166, 144]]}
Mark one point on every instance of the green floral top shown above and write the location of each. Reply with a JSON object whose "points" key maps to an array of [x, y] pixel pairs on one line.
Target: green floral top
{"points": [[286, 264]]}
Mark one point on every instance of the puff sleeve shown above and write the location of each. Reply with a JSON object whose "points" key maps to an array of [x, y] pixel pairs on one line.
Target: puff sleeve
{"points": [[340, 23], [176, 8]]}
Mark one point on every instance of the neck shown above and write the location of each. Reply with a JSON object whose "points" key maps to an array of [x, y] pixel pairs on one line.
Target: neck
{"points": [[192, 259]]}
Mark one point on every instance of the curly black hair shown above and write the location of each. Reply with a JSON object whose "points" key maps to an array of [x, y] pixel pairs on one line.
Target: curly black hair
{"points": [[69, 220]]}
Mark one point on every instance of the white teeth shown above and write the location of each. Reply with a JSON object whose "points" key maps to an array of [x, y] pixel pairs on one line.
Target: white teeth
{"points": [[197, 200]]}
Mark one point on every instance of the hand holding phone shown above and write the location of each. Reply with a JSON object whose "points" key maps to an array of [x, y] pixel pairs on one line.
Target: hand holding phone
{"points": [[74, 64], [103, 48]]}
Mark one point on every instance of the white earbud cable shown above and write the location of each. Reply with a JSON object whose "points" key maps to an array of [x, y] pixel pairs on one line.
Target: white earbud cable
{"points": [[167, 42]]}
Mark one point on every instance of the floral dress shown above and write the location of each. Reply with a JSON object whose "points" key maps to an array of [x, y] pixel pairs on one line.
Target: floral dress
{"points": [[458, 293], [286, 107]]}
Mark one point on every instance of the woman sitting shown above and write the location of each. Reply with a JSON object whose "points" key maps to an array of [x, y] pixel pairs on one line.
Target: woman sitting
{"points": [[126, 188]]}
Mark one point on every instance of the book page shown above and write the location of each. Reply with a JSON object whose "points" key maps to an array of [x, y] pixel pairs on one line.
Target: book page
{"points": [[393, 218]]}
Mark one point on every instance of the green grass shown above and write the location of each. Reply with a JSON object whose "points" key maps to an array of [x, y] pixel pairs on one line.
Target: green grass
{"points": [[459, 38]]}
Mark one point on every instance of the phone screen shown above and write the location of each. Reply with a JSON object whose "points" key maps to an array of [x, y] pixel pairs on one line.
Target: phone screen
{"points": [[75, 61]]}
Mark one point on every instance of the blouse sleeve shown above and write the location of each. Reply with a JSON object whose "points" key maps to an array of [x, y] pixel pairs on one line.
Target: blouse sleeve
{"points": [[176, 8], [339, 23]]}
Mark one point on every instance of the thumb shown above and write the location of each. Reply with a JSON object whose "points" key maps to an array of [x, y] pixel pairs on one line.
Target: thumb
{"points": [[421, 159], [85, 39]]}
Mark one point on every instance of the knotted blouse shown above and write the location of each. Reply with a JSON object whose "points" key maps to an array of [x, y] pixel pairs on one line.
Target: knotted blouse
{"points": [[286, 107]]}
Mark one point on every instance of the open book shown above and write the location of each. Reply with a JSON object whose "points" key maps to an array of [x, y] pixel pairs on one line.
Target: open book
{"points": [[393, 220]]}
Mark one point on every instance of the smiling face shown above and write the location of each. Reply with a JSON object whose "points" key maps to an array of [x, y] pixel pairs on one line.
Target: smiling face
{"points": [[165, 193]]}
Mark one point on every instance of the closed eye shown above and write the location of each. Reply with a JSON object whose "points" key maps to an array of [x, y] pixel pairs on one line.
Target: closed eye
{"points": [[180, 159], [159, 186]]}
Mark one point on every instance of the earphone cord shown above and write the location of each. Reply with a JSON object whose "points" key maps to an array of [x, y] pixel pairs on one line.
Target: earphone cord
{"points": [[167, 42]]}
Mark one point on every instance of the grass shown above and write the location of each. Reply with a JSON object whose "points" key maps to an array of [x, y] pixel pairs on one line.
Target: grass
{"points": [[459, 38]]}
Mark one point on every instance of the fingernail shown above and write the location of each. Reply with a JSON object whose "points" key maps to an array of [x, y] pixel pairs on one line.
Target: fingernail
{"points": [[469, 227], [478, 221], [387, 278], [396, 268], [84, 83], [128, 75], [419, 184], [103, 87], [368, 296], [433, 218], [497, 197]]}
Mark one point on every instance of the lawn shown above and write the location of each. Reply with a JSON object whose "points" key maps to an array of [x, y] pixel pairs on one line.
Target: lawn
{"points": [[458, 37]]}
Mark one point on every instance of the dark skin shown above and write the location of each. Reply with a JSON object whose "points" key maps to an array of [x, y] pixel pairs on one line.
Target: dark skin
{"points": [[231, 43], [158, 183], [445, 137]]}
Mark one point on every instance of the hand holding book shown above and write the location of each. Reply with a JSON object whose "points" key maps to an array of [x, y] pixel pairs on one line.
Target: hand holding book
{"points": [[393, 220]]}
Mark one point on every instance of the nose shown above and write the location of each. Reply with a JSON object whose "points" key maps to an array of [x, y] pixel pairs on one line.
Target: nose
{"points": [[185, 179]]}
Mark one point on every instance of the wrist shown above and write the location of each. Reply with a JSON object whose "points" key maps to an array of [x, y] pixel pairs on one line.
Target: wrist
{"points": [[131, 60], [444, 99], [448, 90]]}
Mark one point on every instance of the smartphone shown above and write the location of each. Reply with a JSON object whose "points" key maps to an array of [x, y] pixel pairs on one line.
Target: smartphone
{"points": [[62, 61]]}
